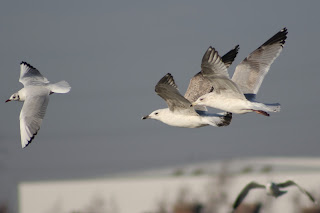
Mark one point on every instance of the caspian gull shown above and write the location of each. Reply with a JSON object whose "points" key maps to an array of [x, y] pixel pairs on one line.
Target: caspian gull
{"points": [[180, 113]]}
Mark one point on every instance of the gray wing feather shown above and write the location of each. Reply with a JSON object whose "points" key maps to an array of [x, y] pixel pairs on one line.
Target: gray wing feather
{"points": [[198, 86], [31, 116], [167, 89], [30, 75], [245, 191], [225, 86], [292, 183], [250, 73], [216, 71], [212, 64]]}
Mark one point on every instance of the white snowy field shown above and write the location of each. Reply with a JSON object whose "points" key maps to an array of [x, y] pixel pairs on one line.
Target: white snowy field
{"points": [[141, 193]]}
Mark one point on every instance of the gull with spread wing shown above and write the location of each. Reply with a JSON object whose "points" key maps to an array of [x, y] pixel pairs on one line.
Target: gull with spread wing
{"points": [[272, 189], [237, 95], [35, 96], [180, 113]]}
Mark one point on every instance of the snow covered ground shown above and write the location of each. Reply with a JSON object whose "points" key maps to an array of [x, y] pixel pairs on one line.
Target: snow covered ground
{"points": [[142, 192]]}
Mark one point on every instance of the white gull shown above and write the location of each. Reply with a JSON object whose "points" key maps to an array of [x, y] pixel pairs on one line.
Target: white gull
{"points": [[180, 113], [35, 95]]}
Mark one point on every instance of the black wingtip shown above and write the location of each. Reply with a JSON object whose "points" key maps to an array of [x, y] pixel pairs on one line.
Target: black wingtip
{"points": [[229, 57], [279, 37], [225, 120], [27, 64], [31, 139]]}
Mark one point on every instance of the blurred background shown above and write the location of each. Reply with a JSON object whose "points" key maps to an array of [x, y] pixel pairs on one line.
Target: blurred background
{"points": [[114, 52]]}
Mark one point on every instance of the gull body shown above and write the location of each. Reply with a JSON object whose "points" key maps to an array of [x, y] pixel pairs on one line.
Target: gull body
{"points": [[237, 95], [274, 190], [235, 104], [35, 96], [187, 121]]}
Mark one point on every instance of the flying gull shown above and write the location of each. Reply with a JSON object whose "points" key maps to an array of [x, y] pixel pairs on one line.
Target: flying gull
{"points": [[272, 189], [180, 113], [237, 95], [35, 95]]}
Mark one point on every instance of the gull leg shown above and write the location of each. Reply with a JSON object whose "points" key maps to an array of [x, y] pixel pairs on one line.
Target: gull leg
{"points": [[261, 112]]}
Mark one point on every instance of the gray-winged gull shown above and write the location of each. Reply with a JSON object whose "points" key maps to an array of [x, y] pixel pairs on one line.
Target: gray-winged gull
{"points": [[180, 113], [35, 95], [237, 95], [272, 189]]}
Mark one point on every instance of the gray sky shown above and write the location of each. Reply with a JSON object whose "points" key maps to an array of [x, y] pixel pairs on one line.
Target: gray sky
{"points": [[114, 52]]}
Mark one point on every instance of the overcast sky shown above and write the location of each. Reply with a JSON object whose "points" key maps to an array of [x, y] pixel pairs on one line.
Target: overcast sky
{"points": [[114, 52]]}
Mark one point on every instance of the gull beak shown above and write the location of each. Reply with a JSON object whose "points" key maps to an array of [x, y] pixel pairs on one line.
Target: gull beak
{"points": [[8, 100], [145, 117]]}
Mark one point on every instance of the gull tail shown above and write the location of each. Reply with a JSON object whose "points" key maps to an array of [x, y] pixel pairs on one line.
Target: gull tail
{"points": [[266, 107], [220, 119], [274, 107], [60, 87]]}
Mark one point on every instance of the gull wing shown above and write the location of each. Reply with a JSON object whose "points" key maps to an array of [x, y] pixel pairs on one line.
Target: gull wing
{"points": [[168, 90], [31, 115], [200, 85], [216, 71], [292, 183], [30, 75], [245, 191], [250, 73], [212, 64], [229, 57]]}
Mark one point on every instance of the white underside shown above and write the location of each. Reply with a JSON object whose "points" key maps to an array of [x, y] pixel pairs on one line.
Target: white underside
{"points": [[180, 120], [237, 105], [184, 120]]}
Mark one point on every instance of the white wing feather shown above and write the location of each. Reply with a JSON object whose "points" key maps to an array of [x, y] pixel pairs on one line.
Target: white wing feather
{"points": [[31, 116]]}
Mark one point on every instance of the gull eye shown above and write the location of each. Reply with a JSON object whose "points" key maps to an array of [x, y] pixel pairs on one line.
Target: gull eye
{"points": [[156, 113], [201, 99]]}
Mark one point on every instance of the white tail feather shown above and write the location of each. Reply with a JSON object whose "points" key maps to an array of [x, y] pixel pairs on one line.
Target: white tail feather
{"points": [[60, 87], [266, 107], [274, 107]]}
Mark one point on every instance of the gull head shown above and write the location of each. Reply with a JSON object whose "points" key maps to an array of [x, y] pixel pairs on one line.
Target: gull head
{"points": [[154, 115], [201, 101], [14, 97]]}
